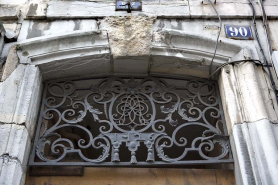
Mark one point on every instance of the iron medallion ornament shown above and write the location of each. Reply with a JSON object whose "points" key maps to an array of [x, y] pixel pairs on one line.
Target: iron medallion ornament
{"points": [[131, 121]]}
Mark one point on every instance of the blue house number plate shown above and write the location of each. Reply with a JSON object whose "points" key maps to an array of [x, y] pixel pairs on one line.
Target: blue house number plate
{"points": [[134, 5], [239, 32]]}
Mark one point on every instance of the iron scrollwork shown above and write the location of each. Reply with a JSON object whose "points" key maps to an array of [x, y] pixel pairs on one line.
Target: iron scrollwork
{"points": [[94, 123]]}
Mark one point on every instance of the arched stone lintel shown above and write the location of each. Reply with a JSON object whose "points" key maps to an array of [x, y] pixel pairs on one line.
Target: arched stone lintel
{"points": [[89, 52]]}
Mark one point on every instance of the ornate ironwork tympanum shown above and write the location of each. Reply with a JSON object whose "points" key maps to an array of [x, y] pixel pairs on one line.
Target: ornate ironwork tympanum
{"points": [[125, 121]]}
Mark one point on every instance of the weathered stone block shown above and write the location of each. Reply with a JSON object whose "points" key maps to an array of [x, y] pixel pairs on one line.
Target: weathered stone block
{"points": [[267, 93], [19, 144], [129, 37], [230, 97], [11, 172], [19, 97], [5, 130], [11, 63], [9, 94], [250, 92], [8, 12]]}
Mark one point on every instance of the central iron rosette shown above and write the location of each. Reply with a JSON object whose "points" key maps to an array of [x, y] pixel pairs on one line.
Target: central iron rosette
{"points": [[132, 111], [92, 120]]}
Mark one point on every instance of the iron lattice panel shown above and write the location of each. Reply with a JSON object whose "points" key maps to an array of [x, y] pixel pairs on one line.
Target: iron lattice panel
{"points": [[131, 122]]}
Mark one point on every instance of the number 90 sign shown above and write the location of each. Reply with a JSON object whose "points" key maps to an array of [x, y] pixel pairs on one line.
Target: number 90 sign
{"points": [[239, 32]]}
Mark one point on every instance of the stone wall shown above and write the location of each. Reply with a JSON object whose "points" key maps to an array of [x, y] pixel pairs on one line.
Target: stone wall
{"points": [[60, 39]]}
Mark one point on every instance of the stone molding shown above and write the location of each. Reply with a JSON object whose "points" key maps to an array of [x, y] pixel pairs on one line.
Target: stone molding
{"points": [[244, 99], [86, 49], [192, 53], [255, 152], [59, 47]]}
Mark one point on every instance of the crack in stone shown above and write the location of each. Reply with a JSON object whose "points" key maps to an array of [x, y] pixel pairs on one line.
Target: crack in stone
{"points": [[12, 159]]}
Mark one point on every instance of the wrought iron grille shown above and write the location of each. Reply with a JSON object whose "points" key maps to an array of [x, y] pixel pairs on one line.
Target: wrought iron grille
{"points": [[136, 121]]}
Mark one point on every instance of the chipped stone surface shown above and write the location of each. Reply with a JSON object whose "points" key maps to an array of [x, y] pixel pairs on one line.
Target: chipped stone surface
{"points": [[230, 98], [250, 93], [129, 36], [11, 63], [8, 12], [10, 27], [18, 144], [20, 97], [11, 172], [240, 86], [14, 153], [12, 31], [267, 93]]}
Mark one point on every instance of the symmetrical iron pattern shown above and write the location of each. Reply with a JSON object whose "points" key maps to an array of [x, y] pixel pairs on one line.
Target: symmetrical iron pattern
{"points": [[97, 122]]}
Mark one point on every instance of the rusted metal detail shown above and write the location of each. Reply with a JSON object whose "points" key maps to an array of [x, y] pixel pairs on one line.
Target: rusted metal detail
{"points": [[57, 171]]}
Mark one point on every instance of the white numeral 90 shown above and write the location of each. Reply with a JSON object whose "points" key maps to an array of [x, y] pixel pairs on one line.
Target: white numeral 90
{"points": [[242, 31]]}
